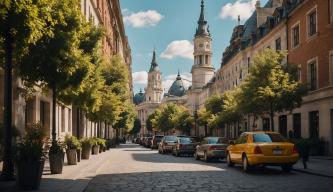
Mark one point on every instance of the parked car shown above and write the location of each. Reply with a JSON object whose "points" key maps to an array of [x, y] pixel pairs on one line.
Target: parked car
{"points": [[156, 141], [211, 148], [148, 142], [142, 141], [166, 144], [184, 145], [262, 148]]}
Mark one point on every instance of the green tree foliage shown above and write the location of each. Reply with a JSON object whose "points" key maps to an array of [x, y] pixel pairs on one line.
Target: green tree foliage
{"points": [[136, 127], [271, 86], [126, 118], [152, 120], [166, 119], [214, 104], [183, 121]]}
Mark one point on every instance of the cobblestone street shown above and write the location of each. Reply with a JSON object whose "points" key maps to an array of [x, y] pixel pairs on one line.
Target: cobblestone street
{"points": [[133, 168]]}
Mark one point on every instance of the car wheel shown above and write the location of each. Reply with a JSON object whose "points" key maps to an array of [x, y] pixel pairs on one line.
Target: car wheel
{"points": [[206, 158], [286, 168], [229, 162], [246, 166], [196, 156]]}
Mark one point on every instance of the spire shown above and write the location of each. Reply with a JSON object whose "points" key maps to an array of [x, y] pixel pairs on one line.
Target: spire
{"points": [[154, 65], [202, 23], [178, 76]]}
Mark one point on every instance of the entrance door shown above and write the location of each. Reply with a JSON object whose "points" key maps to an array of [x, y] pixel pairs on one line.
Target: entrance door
{"points": [[265, 124], [297, 125], [283, 125], [314, 124]]}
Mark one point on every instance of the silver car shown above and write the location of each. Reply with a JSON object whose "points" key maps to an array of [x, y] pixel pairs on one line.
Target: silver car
{"points": [[167, 143], [211, 148]]}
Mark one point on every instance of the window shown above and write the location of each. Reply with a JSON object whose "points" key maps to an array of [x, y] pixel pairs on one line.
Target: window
{"points": [[206, 59], [312, 23], [268, 138], [297, 125], [312, 74], [42, 111], [331, 67], [200, 59], [265, 124], [278, 44], [295, 35], [314, 124], [299, 73], [331, 11]]}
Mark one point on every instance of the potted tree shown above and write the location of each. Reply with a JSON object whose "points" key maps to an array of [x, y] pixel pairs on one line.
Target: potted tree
{"points": [[72, 144], [95, 146], [102, 144], [86, 147], [56, 157], [29, 158]]}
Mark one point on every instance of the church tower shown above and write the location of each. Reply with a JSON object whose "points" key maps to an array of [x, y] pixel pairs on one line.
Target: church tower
{"points": [[202, 69], [154, 88]]}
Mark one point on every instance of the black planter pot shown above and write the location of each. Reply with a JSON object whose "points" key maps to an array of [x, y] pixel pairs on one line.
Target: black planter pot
{"points": [[71, 156], [78, 154], [86, 152], [95, 149], [29, 174], [56, 162]]}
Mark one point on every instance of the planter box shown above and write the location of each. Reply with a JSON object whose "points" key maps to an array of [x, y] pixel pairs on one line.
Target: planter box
{"points": [[71, 156], [29, 174], [95, 149], [86, 152], [56, 162]]}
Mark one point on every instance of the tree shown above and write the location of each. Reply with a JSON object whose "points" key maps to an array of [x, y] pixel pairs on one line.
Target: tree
{"points": [[271, 87], [63, 63], [183, 121], [22, 23], [127, 117], [136, 127], [214, 104], [152, 120], [165, 120]]}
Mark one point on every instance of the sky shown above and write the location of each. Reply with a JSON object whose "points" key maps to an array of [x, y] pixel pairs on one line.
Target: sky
{"points": [[169, 27]]}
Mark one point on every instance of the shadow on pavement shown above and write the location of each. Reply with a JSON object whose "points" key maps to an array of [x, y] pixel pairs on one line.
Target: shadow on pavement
{"points": [[202, 181]]}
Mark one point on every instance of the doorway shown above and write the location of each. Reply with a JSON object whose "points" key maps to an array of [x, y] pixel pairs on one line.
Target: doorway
{"points": [[314, 124], [283, 125]]}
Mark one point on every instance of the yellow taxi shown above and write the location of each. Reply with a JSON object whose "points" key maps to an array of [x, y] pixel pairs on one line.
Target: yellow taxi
{"points": [[262, 148]]}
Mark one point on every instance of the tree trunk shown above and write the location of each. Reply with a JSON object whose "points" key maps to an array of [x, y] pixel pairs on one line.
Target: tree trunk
{"points": [[272, 117], [8, 166], [54, 106], [78, 123]]}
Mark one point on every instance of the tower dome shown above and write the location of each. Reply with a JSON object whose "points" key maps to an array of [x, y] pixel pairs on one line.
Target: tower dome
{"points": [[138, 98], [177, 88]]}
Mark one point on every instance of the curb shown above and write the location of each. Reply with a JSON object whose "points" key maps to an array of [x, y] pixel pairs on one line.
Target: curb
{"points": [[312, 173]]}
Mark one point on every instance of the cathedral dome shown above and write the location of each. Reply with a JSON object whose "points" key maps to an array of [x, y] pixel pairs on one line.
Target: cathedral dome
{"points": [[138, 98], [177, 88]]}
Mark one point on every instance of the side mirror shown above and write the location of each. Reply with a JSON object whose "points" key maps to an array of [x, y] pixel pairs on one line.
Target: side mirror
{"points": [[232, 142]]}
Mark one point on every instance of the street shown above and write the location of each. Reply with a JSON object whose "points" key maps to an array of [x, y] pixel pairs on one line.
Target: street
{"points": [[134, 168]]}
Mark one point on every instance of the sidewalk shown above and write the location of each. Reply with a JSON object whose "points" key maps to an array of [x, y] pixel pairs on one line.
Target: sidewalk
{"points": [[74, 178], [321, 166]]}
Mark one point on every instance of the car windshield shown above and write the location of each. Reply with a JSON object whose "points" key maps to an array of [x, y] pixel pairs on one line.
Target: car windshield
{"points": [[186, 140], [268, 138], [170, 138]]}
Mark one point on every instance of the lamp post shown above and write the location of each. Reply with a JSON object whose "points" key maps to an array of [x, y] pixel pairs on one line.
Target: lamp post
{"points": [[195, 122]]}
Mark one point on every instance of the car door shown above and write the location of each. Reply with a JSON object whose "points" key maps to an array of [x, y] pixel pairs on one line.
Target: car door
{"points": [[238, 148]]}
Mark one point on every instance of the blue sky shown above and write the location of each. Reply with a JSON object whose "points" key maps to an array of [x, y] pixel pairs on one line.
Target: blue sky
{"points": [[169, 26]]}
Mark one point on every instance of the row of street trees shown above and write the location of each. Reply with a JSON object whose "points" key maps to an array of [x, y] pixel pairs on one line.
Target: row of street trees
{"points": [[169, 117], [50, 46], [271, 86]]}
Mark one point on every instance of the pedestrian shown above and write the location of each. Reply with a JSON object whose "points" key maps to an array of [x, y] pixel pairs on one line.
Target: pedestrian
{"points": [[304, 150]]}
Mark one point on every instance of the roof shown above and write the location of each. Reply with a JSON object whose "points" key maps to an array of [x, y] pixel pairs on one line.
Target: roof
{"points": [[154, 65], [177, 88], [138, 98], [203, 29]]}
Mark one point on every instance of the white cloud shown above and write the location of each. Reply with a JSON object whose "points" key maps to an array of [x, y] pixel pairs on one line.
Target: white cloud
{"points": [[168, 80], [142, 19], [140, 77], [244, 8], [180, 48]]}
